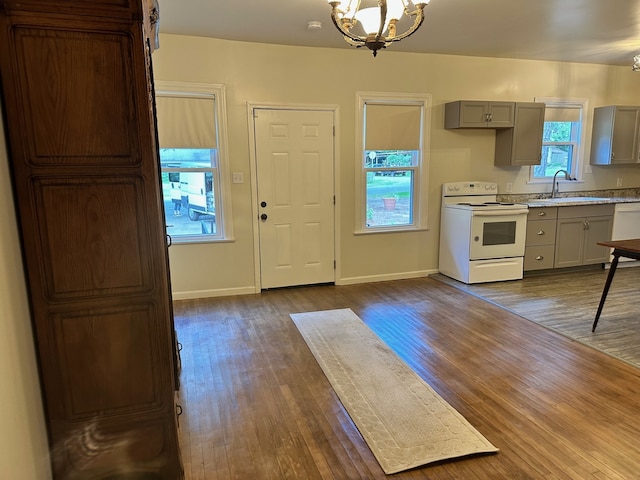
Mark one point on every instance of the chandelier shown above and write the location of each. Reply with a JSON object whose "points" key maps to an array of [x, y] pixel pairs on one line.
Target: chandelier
{"points": [[379, 23]]}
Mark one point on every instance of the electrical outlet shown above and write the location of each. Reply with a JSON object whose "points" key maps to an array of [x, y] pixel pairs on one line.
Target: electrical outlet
{"points": [[588, 169], [618, 182], [509, 187]]}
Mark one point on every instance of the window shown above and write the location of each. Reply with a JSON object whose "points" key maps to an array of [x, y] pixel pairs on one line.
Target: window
{"points": [[191, 134], [391, 183], [561, 139]]}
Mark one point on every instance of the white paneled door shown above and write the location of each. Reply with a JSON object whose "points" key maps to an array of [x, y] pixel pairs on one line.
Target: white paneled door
{"points": [[295, 168]]}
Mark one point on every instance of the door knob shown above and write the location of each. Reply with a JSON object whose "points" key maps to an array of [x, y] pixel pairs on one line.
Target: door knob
{"points": [[263, 204], [263, 216]]}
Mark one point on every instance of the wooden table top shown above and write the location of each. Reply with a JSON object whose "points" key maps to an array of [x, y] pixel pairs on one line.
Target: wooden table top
{"points": [[631, 245]]}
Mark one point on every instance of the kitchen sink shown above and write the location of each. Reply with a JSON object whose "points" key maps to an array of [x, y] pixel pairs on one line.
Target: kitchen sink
{"points": [[572, 200]]}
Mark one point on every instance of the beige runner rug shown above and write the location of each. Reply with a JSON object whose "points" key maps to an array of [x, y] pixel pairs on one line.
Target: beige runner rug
{"points": [[403, 420]]}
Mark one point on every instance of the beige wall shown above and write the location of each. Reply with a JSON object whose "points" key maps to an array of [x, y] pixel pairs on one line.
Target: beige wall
{"points": [[276, 74], [23, 441], [259, 73]]}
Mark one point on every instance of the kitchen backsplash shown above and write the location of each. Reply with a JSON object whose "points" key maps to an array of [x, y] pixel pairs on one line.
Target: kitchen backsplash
{"points": [[610, 193]]}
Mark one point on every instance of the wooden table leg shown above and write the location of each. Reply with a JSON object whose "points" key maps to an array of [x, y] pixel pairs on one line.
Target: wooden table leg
{"points": [[612, 271]]}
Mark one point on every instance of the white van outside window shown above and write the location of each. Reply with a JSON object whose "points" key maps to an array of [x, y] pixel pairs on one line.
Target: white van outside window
{"points": [[192, 139]]}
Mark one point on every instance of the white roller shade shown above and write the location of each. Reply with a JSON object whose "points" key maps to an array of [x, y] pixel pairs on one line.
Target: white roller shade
{"points": [[392, 127], [186, 122], [561, 114]]}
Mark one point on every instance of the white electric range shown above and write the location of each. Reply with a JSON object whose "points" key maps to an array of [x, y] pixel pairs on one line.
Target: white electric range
{"points": [[481, 239]]}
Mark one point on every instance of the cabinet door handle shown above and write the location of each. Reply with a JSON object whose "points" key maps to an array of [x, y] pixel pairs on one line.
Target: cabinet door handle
{"points": [[539, 257], [542, 214], [541, 232], [585, 224]]}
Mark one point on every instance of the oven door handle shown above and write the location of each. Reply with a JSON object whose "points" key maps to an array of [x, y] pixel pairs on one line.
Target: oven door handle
{"points": [[500, 213]]}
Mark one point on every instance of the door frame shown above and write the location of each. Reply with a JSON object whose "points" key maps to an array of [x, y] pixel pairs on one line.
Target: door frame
{"points": [[253, 165]]}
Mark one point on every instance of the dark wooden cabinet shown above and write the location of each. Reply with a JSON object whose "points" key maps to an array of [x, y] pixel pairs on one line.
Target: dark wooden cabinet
{"points": [[78, 98]]}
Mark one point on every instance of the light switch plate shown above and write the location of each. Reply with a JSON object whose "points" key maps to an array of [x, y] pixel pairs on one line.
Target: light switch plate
{"points": [[238, 177]]}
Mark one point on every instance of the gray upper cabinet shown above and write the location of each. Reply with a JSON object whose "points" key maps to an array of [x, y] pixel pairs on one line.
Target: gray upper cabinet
{"points": [[478, 114], [522, 144], [614, 140]]}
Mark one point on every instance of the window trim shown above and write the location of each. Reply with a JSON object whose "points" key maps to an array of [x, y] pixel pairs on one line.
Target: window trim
{"points": [[421, 197], [225, 225], [579, 155]]}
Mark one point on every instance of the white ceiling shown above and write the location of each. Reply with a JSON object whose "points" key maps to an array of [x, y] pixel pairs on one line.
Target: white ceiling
{"points": [[585, 31]]}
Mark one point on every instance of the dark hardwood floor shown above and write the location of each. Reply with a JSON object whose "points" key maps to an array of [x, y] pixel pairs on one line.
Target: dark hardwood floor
{"points": [[257, 406], [567, 301]]}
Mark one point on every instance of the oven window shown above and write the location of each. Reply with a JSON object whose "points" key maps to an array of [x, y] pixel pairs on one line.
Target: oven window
{"points": [[499, 233]]}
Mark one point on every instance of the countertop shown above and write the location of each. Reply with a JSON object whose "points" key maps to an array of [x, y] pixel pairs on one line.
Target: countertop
{"points": [[573, 201]]}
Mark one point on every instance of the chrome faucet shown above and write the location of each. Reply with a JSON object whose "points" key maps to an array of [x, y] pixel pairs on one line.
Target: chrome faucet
{"points": [[554, 185]]}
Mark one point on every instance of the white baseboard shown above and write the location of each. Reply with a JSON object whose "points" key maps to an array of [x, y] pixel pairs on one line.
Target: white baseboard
{"points": [[222, 292], [385, 277], [250, 290]]}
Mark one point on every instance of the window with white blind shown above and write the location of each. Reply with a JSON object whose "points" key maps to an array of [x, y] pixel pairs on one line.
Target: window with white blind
{"points": [[562, 140], [192, 139], [391, 153]]}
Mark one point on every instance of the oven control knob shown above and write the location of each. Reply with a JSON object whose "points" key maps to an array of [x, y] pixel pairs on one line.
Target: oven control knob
{"points": [[456, 188], [476, 239]]}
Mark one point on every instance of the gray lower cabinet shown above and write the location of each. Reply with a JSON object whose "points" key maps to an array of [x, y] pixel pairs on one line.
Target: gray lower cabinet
{"points": [[578, 230], [539, 250]]}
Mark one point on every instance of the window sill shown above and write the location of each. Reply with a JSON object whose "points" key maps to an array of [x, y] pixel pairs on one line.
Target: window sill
{"points": [[200, 239], [371, 231], [548, 181]]}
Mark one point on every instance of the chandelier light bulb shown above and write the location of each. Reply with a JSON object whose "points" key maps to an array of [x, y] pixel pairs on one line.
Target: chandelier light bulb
{"points": [[378, 23]]}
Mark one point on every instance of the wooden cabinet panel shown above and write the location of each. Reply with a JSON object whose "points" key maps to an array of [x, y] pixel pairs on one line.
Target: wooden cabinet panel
{"points": [[131, 370], [125, 9], [95, 236], [76, 85], [76, 115]]}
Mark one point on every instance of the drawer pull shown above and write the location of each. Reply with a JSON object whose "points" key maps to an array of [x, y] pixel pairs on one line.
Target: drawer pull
{"points": [[542, 214], [539, 257], [541, 232]]}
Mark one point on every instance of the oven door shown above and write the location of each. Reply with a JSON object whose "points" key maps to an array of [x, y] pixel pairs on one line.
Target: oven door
{"points": [[498, 234]]}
